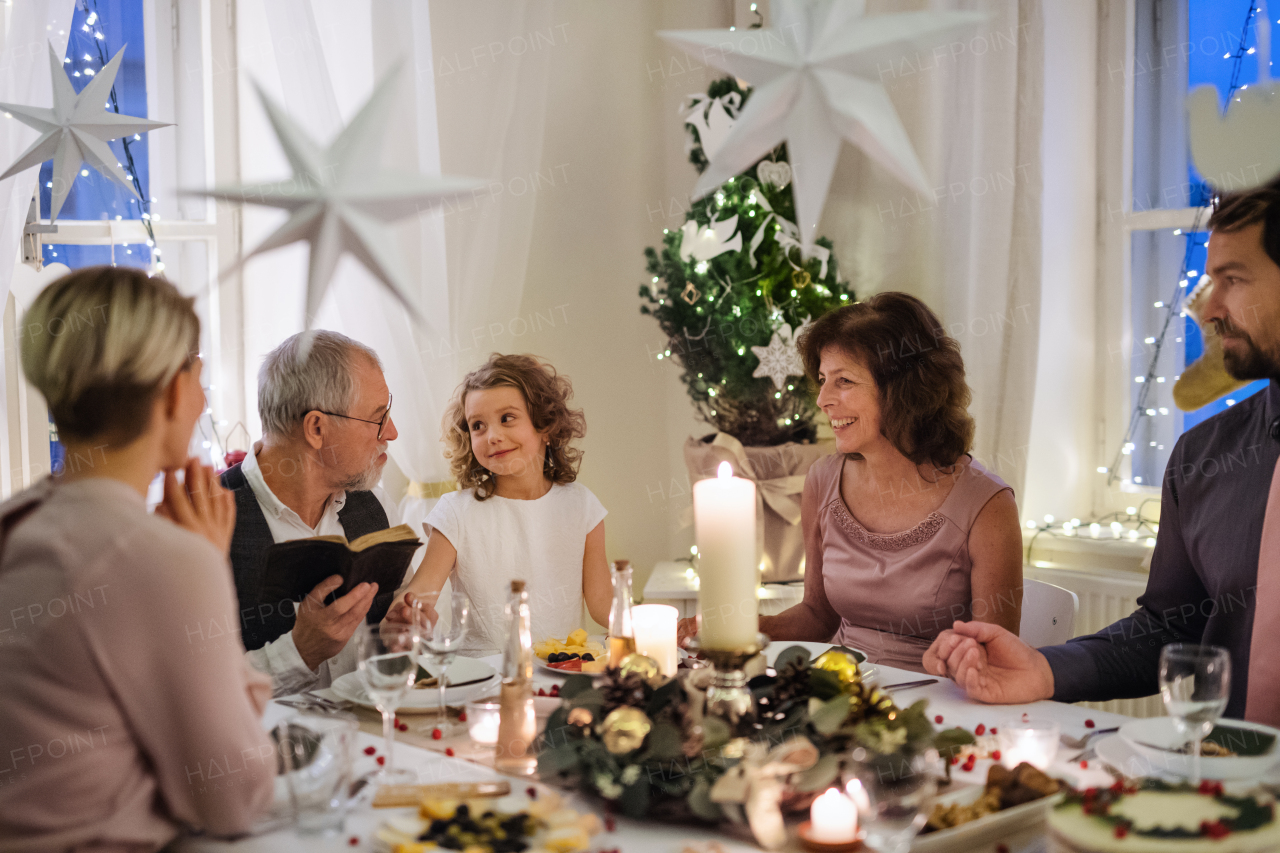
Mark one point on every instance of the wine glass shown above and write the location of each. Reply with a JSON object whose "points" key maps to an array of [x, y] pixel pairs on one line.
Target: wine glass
{"points": [[892, 793], [388, 661], [1195, 682], [442, 636]]}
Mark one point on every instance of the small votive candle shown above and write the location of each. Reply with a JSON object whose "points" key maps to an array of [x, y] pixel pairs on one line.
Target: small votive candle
{"points": [[833, 819], [482, 722], [655, 627], [1032, 741]]}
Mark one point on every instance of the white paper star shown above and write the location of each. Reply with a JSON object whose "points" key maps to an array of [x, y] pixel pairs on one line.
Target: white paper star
{"points": [[780, 358], [340, 200], [817, 76], [76, 130]]}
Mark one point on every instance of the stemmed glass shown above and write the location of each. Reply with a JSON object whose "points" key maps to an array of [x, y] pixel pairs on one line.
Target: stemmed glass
{"points": [[442, 636], [1195, 682], [893, 794], [388, 661]]}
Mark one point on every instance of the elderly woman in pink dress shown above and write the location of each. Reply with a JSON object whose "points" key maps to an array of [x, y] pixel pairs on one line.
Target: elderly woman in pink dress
{"points": [[128, 709], [904, 531]]}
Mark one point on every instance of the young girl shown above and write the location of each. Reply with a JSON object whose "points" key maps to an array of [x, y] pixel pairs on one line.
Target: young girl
{"points": [[519, 513]]}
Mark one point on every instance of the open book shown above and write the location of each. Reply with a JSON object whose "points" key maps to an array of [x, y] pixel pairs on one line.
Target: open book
{"points": [[294, 568]]}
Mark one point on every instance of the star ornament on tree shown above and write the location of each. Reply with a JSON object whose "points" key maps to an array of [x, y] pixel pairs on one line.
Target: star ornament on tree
{"points": [[76, 130], [816, 76], [781, 358], [340, 199]]}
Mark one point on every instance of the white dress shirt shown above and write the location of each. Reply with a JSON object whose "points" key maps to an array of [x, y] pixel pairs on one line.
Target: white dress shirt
{"points": [[280, 658]]}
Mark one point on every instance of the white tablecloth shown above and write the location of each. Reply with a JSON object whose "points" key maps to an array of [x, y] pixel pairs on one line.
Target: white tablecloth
{"points": [[945, 699]]}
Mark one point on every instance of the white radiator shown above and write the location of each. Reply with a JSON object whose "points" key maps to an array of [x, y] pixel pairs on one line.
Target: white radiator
{"points": [[1104, 598]]}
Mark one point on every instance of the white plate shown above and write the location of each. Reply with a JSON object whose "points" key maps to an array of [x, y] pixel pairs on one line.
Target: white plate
{"points": [[985, 830], [771, 652], [1144, 737], [349, 687], [540, 663]]}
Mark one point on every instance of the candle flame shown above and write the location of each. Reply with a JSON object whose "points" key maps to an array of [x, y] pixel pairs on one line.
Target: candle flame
{"points": [[724, 471]]}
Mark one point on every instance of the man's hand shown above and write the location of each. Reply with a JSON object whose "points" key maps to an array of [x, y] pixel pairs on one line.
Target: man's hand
{"points": [[991, 664], [200, 504], [403, 612], [321, 632]]}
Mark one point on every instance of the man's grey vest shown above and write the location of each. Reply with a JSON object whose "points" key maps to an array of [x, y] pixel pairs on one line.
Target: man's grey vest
{"points": [[263, 621]]}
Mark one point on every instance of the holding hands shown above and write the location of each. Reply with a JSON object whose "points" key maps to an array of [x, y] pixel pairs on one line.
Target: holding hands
{"points": [[991, 664]]}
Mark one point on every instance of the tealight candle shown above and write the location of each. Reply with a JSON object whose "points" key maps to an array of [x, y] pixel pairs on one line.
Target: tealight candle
{"points": [[724, 512], [482, 722], [833, 819], [655, 627], [1032, 741]]}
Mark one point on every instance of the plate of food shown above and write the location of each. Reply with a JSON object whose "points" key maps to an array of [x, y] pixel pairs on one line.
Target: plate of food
{"points": [[471, 678], [967, 818], [575, 653], [493, 825], [1235, 749]]}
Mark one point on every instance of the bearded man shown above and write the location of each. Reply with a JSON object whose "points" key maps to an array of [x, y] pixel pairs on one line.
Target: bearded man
{"points": [[326, 423], [1215, 571]]}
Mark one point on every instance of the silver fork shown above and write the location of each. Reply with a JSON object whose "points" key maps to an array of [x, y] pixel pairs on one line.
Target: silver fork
{"points": [[1080, 742], [330, 704]]}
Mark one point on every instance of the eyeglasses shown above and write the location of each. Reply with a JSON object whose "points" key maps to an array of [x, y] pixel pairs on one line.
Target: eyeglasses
{"points": [[381, 422]]}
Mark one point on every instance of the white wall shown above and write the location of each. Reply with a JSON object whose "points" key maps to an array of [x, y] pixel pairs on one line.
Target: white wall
{"points": [[1061, 466]]}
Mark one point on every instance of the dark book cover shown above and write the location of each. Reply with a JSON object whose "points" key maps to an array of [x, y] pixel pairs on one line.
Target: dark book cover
{"points": [[294, 568]]}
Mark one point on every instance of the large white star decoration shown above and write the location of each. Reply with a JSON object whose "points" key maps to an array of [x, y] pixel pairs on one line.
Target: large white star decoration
{"points": [[817, 79], [76, 130], [341, 200], [781, 358]]}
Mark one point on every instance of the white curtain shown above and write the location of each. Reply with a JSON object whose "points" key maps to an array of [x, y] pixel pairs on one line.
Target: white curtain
{"points": [[971, 250], [320, 59]]}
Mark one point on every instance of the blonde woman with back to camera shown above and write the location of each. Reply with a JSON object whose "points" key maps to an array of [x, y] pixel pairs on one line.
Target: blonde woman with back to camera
{"points": [[123, 686]]}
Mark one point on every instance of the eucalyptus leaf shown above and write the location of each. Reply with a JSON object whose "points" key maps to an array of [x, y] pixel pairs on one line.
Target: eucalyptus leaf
{"points": [[824, 684], [699, 801], [715, 733], [791, 655], [664, 742], [634, 801], [575, 684], [857, 655], [819, 776], [831, 715]]}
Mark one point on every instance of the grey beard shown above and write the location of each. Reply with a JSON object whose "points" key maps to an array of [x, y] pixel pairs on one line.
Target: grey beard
{"points": [[365, 480]]}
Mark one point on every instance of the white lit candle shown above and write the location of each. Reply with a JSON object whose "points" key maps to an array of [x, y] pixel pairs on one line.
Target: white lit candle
{"points": [[655, 627], [724, 512], [482, 722], [1035, 742], [833, 819]]}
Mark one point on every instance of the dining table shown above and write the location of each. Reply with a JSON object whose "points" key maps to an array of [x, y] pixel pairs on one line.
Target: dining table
{"points": [[416, 749]]}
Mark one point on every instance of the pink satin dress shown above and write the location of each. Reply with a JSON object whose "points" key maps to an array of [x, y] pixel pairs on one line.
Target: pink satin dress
{"points": [[895, 592]]}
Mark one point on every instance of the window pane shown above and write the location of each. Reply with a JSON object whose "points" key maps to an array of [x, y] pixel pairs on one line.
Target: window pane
{"points": [[1157, 260], [1179, 45], [92, 196]]}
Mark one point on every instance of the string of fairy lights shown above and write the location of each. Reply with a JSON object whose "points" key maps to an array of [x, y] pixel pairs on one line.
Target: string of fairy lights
{"points": [[1132, 525], [1173, 306], [92, 65]]}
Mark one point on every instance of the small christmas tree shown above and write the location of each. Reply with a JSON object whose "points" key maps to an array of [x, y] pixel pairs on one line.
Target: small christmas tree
{"points": [[732, 290]]}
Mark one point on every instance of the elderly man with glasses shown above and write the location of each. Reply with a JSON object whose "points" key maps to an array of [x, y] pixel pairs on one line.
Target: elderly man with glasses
{"points": [[326, 423]]}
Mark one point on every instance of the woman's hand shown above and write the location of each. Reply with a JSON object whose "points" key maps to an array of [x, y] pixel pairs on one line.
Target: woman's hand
{"points": [[200, 504], [991, 664], [686, 629]]}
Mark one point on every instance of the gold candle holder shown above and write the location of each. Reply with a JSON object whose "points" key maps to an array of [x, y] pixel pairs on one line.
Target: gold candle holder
{"points": [[728, 697]]}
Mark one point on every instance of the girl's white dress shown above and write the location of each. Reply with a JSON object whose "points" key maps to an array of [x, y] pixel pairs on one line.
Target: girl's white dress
{"points": [[538, 541]]}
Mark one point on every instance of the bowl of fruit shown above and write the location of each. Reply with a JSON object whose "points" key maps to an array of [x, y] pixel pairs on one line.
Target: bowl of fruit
{"points": [[575, 653]]}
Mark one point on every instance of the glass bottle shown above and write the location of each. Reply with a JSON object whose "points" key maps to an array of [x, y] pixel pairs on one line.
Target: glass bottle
{"points": [[517, 725], [622, 632]]}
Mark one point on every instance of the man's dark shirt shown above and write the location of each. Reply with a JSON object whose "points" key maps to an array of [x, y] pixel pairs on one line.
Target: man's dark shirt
{"points": [[1204, 571]]}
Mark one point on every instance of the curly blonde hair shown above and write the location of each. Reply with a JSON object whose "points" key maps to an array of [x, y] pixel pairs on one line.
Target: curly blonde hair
{"points": [[546, 395]]}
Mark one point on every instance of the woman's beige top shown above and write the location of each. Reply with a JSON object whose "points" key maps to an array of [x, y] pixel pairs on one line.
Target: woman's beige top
{"points": [[896, 592], [126, 706]]}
